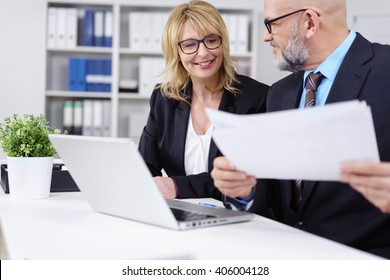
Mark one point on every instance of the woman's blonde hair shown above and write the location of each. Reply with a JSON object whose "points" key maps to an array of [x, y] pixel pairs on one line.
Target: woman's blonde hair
{"points": [[206, 20]]}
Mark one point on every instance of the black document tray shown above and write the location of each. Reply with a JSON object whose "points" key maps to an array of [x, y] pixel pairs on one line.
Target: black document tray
{"points": [[61, 180]]}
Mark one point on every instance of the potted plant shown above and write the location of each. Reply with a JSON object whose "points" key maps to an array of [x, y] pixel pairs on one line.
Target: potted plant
{"points": [[29, 155]]}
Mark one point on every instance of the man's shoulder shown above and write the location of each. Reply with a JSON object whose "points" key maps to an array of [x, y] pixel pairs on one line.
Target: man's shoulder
{"points": [[291, 79], [363, 49], [360, 39], [381, 51], [245, 81]]}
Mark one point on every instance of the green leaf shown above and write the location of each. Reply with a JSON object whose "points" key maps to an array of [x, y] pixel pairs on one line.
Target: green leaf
{"points": [[27, 136]]}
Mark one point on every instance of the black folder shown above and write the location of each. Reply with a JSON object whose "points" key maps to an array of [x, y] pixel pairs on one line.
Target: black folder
{"points": [[61, 180]]}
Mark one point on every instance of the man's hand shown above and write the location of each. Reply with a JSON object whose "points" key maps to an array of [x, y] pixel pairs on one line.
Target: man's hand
{"points": [[372, 180], [230, 181]]}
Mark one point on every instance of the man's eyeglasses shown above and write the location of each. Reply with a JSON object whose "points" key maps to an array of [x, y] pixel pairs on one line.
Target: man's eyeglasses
{"points": [[268, 23], [191, 46]]}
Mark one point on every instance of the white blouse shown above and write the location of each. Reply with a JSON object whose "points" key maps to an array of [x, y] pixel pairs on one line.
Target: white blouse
{"points": [[197, 150]]}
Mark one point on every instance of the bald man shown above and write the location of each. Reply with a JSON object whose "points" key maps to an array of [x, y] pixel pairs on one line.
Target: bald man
{"points": [[312, 36]]}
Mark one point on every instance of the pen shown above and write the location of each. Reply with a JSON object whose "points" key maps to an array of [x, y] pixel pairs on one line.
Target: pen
{"points": [[208, 205]]}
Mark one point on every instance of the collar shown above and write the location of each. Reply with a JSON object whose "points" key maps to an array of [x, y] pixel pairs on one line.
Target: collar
{"points": [[330, 66]]}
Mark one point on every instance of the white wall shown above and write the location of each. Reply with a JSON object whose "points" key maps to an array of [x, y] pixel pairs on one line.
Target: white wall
{"points": [[22, 50]]}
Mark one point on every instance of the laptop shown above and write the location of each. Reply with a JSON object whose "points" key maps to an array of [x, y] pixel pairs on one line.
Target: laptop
{"points": [[116, 181]]}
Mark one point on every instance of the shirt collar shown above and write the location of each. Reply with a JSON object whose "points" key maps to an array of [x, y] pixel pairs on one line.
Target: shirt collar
{"points": [[330, 66]]}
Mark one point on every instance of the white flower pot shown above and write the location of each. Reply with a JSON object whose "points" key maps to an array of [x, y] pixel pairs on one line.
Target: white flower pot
{"points": [[29, 177]]}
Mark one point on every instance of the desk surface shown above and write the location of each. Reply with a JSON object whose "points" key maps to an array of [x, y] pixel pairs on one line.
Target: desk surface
{"points": [[65, 227]]}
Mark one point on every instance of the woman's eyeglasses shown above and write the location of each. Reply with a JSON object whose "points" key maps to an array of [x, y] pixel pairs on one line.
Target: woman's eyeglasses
{"points": [[191, 46]]}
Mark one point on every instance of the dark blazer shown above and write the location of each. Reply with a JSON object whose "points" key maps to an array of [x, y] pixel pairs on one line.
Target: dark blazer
{"points": [[331, 209], [163, 139]]}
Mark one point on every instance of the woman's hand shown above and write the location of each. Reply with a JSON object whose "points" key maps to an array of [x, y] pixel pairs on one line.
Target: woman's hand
{"points": [[166, 186]]}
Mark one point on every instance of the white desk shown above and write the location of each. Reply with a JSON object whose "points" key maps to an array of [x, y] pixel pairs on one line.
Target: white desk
{"points": [[65, 227]]}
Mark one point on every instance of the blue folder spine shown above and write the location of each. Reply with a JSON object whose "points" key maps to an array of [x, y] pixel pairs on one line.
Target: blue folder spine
{"points": [[88, 28]]}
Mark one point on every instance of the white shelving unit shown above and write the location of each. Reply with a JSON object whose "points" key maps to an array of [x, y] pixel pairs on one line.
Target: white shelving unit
{"points": [[125, 61]]}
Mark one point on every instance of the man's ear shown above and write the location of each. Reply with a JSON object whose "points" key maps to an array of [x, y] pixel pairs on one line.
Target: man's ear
{"points": [[312, 23]]}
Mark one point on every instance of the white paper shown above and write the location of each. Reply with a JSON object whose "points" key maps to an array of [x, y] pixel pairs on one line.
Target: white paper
{"points": [[307, 144]]}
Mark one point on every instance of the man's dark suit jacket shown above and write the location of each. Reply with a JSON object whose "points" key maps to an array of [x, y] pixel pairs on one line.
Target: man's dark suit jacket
{"points": [[331, 209], [163, 139]]}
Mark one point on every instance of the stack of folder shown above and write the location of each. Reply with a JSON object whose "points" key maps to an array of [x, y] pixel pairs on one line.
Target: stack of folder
{"points": [[238, 29], [97, 28], [90, 117], [71, 27], [89, 74]]}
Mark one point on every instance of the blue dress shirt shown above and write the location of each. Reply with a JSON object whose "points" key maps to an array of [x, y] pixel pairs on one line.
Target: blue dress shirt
{"points": [[329, 68]]}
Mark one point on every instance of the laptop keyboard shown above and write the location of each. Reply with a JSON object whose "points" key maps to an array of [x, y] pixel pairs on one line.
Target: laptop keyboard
{"points": [[183, 215]]}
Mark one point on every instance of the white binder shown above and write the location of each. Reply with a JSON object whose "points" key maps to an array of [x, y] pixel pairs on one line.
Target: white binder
{"points": [[61, 27], [242, 33], [97, 121], [71, 28], [106, 118], [98, 28], [87, 117], [135, 31], [51, 27], [107, 29], [150, 73], [77, 116]]}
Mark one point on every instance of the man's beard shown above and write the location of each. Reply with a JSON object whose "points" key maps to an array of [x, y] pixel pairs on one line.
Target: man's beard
{"points": [[296, 53]]}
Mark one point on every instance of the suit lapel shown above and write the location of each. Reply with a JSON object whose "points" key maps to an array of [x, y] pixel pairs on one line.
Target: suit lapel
{"points": [[228, 105], [347, 85], [292, 95], [182, 114], [352, 73], [291, 99]]}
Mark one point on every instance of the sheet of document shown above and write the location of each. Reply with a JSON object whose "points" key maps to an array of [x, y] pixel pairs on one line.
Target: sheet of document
{"points": [[308, 144]]}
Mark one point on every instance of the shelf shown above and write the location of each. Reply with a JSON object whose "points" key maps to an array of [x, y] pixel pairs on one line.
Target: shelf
{"points": [[127, 51], [74, 94], [134, 96], [104, 50], [128, 60]]}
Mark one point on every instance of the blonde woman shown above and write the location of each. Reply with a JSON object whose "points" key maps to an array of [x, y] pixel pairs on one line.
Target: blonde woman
{"points": [[199, 74]]}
